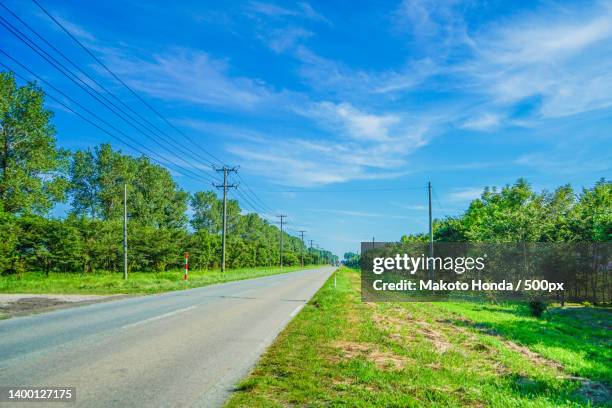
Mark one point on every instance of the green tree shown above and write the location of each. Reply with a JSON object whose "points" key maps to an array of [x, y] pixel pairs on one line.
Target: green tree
{"points": [[592, 215], [207, 212], [97, 181], [31, 167]]}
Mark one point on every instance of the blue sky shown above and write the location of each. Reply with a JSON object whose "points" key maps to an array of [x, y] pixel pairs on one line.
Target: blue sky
{"points": [[322, 103]]}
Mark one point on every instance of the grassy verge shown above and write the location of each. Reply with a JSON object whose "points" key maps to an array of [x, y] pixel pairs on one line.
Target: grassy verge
{"points": [[341, 352], [107, 283]]}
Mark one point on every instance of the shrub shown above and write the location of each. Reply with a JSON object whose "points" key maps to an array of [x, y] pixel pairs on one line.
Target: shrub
{"points": [[537, 308], [586, 304]]}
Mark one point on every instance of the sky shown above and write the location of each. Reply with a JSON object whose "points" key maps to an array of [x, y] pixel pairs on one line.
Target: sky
{"points": [[340, 113]]}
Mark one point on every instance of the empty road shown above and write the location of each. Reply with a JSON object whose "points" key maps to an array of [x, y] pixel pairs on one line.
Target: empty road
{"points": [[186, 348]]}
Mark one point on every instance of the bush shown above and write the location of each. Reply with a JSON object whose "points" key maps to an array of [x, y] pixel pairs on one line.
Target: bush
{"points": [[537, 308], [586, 304]]}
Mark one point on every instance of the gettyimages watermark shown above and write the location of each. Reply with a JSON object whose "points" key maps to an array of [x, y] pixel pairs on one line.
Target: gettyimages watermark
{"points": [[561, 272]]}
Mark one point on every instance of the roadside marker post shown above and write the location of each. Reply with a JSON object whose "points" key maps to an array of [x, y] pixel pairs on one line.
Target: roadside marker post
{"points": [[335, 278], [186, 265]]}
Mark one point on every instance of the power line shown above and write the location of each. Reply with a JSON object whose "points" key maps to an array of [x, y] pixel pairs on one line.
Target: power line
{"points": [[133, 119], [84, 86], [249, 203], [436, 198], [342, 191], [67, 107], [255, 195], [92, 79], [142, 100]]}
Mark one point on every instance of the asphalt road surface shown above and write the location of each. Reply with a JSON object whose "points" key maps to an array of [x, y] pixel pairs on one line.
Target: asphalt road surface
{"points": [[177, 349]]}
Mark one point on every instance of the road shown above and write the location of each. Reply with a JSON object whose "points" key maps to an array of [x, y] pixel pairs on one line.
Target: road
{"points": [[177, 349]]}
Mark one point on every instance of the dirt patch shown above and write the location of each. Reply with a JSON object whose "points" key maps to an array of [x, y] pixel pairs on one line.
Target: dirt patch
{"points": [[436, 338], [13, 305], [351, 349], [532, 356], [384, 360], [388, 322], [395, 324]]}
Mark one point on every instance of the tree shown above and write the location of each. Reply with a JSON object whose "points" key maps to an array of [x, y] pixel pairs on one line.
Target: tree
{"points": [[97, 178], [592, 215], [207, 212], [31, 167], [85, 185]]}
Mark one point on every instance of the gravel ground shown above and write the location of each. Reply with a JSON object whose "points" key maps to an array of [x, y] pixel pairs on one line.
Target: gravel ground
{"points": [[24, 303]]}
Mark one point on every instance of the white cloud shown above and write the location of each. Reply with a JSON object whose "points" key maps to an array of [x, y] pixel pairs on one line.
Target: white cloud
{"points": [[412, 207], [564, 57], [301, 9], [466, 194], [283, 39], [75, 29], [574, 161], [303, 163], [485, 121], [334, 77], [357, 124], [190, 76]]}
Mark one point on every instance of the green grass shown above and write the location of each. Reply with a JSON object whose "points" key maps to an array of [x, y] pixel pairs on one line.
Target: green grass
{"points": [[341, 352], [107, 283]]}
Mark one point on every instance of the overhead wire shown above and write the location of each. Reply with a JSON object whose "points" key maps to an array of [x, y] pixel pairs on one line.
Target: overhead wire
{"points": [[142, 100], [342, 190], [84, 118], [83, 72], [87, 88], [135, 120]]}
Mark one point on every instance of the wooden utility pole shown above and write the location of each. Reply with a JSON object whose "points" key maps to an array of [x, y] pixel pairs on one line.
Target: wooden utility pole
{"points": [[302, 233], [431, 249], [226, 170], [281, 216], [125, 256]]}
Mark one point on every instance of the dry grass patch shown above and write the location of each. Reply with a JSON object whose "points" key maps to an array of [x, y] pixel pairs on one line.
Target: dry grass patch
{"points": [[532, 356], [383, 360]]}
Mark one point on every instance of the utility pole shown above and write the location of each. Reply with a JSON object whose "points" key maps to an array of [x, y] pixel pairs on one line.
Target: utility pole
{"points": [[302, 233], [281, 216], [125, 256], [431, 249], [372, 242], [226, 170], [311, 244]]}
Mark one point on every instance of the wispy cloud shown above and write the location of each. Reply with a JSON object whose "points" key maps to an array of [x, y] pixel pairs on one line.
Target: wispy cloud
{"points": [[566, 162], [485, 121], [360, 213], [411, 207], [190, 76], [564, 56], [304, 163], [286, 38], [75, 29], [300, 9], [465, 194], [357, 124]]}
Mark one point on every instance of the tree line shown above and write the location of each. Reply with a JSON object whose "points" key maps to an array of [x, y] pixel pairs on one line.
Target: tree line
{"points": [[36, 175], [518, 214]]}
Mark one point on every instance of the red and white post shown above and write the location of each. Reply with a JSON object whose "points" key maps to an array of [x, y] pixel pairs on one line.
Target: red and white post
{"points": [[186, 265]]}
